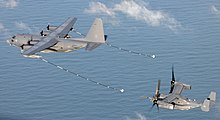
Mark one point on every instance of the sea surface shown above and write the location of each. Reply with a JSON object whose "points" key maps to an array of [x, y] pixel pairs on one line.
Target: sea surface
{"points": [[186, 36]]}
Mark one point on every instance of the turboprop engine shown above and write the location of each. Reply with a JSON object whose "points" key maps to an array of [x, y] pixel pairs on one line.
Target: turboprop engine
{"points": [[50, 27]]}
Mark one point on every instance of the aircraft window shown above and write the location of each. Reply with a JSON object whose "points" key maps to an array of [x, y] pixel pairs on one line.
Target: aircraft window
{"points": [[14, 37]]}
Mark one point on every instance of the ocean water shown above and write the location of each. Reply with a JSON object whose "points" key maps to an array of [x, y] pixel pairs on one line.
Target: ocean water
{"points": [[184, 33]]}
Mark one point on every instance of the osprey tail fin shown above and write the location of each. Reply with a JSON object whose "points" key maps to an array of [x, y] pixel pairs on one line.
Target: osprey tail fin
{"points": [[208, 102]]}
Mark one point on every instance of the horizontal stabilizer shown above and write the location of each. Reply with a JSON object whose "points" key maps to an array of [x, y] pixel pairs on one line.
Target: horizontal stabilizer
{"points": [[91, 46]]}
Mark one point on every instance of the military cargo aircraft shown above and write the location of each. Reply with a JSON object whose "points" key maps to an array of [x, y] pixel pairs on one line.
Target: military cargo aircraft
{"points": [[56, 39], [174, 100]]}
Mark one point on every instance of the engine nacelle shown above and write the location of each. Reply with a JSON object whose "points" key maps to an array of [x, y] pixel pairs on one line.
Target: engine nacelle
{"points": [[166, 105], [44, 33], [51, 28], [187, 87], [67, 36], [25, 47]]}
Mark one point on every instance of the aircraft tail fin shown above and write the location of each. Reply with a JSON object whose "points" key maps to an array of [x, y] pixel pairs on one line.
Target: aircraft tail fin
{"points": [[209, 102], [95, 36]]}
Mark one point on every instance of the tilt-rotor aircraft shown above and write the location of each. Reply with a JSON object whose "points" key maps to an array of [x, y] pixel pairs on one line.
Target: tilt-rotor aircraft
{"points": [[56, 39], [174, 100]]}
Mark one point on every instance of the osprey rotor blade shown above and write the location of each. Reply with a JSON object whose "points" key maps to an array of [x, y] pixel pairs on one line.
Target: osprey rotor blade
{"points": [[172, 83], [155, 103], [173, 76], [157, 89], [152, 106], [157, 107]]}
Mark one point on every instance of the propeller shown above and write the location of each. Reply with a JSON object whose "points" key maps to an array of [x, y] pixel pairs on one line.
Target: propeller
{"points": [[173, 77], [157, 95], [48, 27], [154, 103], [172, 80], [42, 33]]}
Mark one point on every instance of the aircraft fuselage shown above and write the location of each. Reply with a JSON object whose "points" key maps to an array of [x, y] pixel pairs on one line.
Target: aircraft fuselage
{"points": [[26, 41], [180, 104]]}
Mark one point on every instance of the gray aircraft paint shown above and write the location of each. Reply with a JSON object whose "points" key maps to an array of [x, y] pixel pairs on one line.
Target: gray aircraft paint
{"points": [[174, 100], [55, 39]]}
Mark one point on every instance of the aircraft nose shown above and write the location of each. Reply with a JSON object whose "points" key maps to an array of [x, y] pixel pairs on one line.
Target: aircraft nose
{"points": [[11, 40], [8, 41]]}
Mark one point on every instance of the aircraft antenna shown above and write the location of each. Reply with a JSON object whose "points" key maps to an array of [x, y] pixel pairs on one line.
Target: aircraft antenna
{"points": [[78, 75]]}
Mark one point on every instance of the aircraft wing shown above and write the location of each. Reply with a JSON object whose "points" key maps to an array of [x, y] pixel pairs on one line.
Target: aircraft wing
{"points": [[178, 88], [65, 28], [43, 44], [176, 93], [51, 39]]}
